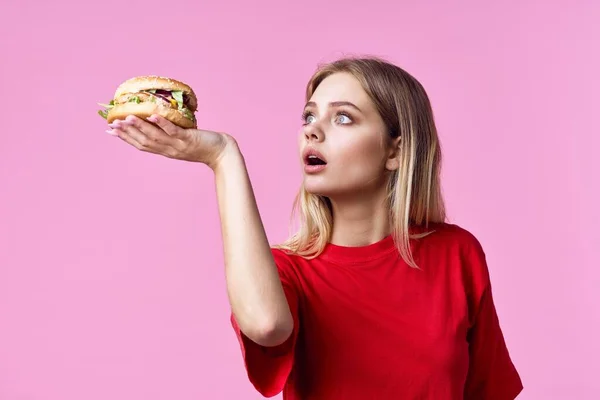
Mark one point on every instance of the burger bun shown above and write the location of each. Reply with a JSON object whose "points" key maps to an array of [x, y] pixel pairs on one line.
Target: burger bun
{"points": [[146, 109], [140, 83]]}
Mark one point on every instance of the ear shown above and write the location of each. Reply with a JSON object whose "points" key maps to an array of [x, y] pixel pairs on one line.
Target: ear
{"points": [[392, 162]]}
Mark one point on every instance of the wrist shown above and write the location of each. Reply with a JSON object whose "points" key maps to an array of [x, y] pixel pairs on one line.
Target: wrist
{"points": [[230, 157]]}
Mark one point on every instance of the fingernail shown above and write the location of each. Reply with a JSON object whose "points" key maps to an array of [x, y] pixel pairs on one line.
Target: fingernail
{"points": [[113, 125], [129, 119], [111, 132], [152, 118]]}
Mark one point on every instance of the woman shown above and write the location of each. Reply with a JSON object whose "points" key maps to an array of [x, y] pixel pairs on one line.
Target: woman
{"points": [[376, 296]]}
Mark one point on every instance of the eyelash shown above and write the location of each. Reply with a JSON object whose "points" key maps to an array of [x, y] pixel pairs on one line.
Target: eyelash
{"points": [[307, 114]]}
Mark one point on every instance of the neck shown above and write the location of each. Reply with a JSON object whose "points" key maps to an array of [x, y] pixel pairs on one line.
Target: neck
{"points": [[360, 220]]}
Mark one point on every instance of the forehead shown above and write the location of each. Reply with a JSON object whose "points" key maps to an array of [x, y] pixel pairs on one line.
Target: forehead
{"points": [[340, 86]]}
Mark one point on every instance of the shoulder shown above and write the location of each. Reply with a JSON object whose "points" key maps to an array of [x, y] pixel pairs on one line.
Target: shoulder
{"points": [[455, 239], [287, 264], [455, 236], [464, 247], [283, 257], [465, 259]]}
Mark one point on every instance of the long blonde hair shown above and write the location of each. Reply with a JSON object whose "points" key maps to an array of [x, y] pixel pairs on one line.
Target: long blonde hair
{"points": [[414, 190]]}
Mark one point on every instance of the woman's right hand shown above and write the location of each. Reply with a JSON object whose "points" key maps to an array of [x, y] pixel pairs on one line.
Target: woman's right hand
{"points": [[160, 136]]}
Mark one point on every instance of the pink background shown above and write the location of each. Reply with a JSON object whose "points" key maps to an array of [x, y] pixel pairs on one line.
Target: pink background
{"points": [[111, 277]]}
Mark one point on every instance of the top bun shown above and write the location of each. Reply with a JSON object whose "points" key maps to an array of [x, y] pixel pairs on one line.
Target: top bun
{"points": [[150, 82]]}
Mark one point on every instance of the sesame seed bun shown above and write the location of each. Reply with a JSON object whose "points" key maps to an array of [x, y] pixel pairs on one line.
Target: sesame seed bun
{"points": [[150, 82]]}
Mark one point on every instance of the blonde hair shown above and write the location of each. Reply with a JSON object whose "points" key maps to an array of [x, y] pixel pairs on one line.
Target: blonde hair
{"points": [[414, 190]]}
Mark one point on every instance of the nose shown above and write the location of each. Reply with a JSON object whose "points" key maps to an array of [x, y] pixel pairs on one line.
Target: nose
{"points": [[313, 133]]}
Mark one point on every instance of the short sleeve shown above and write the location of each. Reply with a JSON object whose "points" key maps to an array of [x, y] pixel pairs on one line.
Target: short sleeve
{"points": [[492, 374], [268, 368]]}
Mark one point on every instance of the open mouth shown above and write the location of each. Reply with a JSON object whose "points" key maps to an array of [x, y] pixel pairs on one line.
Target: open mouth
{"points": [[314, 160]]}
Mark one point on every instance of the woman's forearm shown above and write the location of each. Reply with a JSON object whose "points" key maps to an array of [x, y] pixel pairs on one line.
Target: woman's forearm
{"points": [[254, 288]]}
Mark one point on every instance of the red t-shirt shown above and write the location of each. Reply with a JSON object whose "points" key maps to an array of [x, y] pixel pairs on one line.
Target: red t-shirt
{"points": [[368, 326]]}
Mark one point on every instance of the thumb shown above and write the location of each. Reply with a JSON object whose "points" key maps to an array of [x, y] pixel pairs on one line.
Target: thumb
{"points": [[170, 128]]}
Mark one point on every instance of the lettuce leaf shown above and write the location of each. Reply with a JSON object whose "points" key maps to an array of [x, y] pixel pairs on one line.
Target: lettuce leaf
{"points": [[107, 107], [188, 114], [178, 96]]}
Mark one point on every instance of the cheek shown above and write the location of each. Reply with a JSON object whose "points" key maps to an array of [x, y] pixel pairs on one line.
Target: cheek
{"points": [[361, 156]]}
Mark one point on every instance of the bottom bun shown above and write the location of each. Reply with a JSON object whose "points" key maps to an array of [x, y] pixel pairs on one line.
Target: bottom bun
{"points": [[146, 109]]}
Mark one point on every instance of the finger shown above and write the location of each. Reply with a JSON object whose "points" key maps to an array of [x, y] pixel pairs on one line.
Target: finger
{"points": [[126, 138], [137, 139], [149, 130], [131, 131], [138, 136], [167, 126]]}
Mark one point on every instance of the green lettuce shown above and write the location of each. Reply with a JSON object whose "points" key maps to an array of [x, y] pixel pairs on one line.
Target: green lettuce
{"points": [[178, 96], [188, 114], [107, 107]]}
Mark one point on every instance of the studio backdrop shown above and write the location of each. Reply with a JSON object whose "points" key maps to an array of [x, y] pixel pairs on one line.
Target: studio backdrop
{"points": [[111, 268]]}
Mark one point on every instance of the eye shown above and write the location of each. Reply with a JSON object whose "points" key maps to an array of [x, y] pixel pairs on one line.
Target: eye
{"points": [[308, 118], [343, 119]]}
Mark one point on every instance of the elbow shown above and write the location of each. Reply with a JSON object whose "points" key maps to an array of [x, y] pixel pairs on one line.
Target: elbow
{"points": [[270, 333]]}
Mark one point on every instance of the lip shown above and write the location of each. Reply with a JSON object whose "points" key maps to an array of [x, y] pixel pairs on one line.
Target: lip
{"points": [[309, 151], [312, 169]]}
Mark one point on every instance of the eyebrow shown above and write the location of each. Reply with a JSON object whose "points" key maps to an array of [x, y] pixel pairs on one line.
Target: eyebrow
{"points": [[334, 104]]}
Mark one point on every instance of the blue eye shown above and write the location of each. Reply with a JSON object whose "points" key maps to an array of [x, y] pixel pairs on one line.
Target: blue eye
{"points": [[343, 119], [308, 118]]}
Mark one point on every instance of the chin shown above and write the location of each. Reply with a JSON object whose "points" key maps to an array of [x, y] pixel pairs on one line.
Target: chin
{"points": [[313, 186], [340, 187], [320, 187]]}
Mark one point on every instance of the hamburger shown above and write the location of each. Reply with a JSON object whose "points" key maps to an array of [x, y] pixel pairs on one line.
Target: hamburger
{"points": [[144, 96]]}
